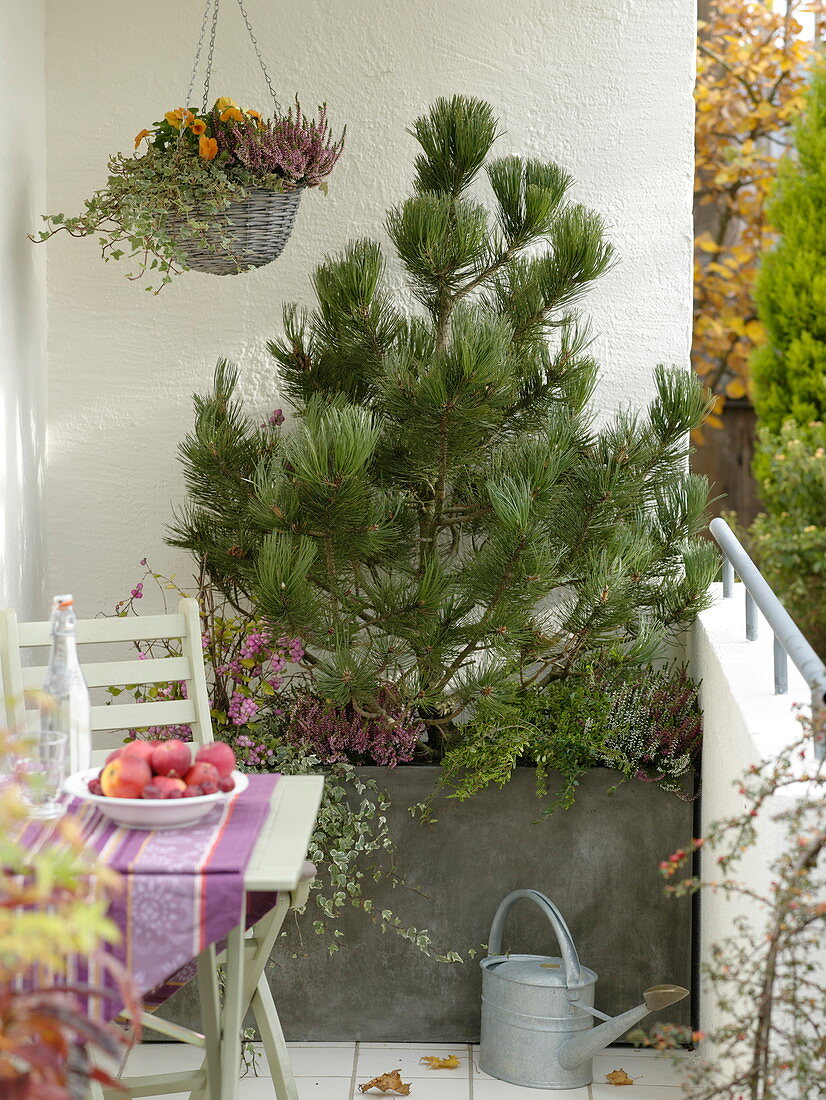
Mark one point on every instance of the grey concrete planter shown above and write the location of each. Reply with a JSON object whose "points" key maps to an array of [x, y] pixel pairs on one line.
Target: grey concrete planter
{"points": [[597, 861]]}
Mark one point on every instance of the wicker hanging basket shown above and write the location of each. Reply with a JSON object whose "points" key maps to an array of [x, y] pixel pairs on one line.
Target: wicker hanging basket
{"points": [[247, 234]]}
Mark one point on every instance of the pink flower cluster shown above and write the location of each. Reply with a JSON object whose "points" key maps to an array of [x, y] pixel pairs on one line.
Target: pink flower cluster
{"points": [[241, 709], [338, 734], [254, 754], [299, 150]]}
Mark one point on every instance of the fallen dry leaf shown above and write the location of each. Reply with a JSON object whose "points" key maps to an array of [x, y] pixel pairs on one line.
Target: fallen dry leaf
{"points": [[451, 1062], [618, 1077], [387, 1082]]}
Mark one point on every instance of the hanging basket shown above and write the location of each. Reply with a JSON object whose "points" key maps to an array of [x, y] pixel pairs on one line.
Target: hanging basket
{"points": [[247, 234]]}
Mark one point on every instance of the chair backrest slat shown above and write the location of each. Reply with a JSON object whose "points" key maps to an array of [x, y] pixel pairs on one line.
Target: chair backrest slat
{"points": [[155, 670], [127, 716], [131, 628], [183, 627]]}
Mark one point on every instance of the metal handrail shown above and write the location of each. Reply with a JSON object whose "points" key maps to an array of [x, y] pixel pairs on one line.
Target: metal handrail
{"points": [[789, 642]]}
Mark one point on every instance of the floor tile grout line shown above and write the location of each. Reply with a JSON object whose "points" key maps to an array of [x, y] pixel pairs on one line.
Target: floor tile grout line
{"points": [[354, 1073]]}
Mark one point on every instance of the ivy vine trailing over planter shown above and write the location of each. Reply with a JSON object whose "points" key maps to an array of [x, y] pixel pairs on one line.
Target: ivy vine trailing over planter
{"points": [[194, 167], [350, 832]]}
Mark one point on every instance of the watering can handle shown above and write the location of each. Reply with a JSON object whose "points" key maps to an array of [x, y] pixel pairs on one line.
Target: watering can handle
{"points": [[563, 936]]}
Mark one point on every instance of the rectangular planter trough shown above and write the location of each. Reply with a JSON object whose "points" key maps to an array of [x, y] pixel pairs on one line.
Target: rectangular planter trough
{"points": [[598, 861]]}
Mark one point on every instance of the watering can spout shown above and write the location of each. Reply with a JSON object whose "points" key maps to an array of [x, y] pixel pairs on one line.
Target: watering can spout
{"points": [[585, 1045]]}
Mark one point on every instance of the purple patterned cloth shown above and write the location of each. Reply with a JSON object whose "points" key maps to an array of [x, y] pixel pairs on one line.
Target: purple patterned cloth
{"points": [[183, 889]]}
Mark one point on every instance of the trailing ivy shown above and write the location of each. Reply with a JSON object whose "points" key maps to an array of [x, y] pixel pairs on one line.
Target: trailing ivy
{"points": [[350, 847]]}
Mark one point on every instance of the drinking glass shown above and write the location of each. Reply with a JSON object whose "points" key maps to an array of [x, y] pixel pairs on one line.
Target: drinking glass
{"points": [[43, 772]]}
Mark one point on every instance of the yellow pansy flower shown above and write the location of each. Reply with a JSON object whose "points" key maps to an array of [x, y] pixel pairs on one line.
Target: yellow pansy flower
{"points": [[232, 114], [179, 115], [224, 102], [139, 137], [198, 127], [207, 147]]}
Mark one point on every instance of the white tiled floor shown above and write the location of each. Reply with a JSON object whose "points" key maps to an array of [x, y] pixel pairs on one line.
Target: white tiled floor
{"points": [[333, 1071]]}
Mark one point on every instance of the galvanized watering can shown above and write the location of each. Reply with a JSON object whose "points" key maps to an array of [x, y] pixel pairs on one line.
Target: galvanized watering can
{"points": [[538, 1010]]}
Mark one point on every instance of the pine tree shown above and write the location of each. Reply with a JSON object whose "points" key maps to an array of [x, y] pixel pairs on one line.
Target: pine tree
{"points": [[789, 370], [444, 525]]}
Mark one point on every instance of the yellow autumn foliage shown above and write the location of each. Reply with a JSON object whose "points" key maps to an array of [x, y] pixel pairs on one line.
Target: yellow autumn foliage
{"points": [[751, 70], [52, 904]]}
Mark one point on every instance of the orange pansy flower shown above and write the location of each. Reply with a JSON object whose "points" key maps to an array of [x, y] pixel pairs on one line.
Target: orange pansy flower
{"points": [[232, 113], [179, 115], [207, 147], [139, 137], [198, 127]]}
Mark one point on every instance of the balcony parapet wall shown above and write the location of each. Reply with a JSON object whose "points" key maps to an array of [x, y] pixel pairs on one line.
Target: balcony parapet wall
{"points": [[744, 723]]}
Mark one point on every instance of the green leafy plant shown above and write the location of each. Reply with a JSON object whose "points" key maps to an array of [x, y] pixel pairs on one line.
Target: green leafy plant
{"points": [[788, 540], [789, 370], [194, 167], [244, 662], [53, 904], [645, 724], [766, 976], [444, 520], [351, 834]]}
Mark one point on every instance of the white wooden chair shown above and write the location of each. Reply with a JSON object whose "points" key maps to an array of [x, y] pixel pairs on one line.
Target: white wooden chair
{"points": [[20, 677], [246, 955]]}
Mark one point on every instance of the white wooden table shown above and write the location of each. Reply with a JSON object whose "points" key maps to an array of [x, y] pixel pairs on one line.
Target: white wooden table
{"points": [[277, 863]]}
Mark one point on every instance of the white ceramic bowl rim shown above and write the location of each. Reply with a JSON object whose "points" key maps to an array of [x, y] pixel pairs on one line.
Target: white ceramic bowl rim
{"points": [[77, 785]]}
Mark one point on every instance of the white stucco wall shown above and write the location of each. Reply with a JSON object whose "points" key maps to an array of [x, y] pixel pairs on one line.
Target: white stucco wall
{"points": [[744, 723], [22, 305], [603, 86]]}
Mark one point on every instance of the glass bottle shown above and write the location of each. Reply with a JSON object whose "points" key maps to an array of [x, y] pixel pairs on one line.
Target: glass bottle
{"points": [[65, 704]]}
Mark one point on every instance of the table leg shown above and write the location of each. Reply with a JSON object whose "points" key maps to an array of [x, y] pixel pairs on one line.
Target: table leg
{"points": [[275, 1047], [233, 1015]]}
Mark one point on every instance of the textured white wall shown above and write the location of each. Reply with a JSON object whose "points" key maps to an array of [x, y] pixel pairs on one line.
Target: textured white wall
{"points": [[744, 723], [22, 306], [603, 86]]}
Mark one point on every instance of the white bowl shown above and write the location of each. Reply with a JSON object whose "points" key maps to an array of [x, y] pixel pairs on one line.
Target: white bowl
{"points": [[150, 813]]}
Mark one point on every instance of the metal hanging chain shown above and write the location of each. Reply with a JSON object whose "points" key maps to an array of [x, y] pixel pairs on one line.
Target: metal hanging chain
{"points": [[254, 41], [199, 47], [214, 5], [210, 54]]}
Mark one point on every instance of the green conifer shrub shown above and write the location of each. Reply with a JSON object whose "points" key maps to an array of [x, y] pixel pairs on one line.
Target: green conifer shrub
{"points": [[444, 521], [789, 538], [789, 371], [789, 379]]}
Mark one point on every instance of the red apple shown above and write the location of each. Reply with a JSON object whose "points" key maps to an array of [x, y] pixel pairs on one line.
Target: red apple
{"points": [[114, 754], [143, 749], [193, 792], [152, 791], [168, 784], [219, 754], [171, 758], [226, 783], [125, 777], [94, 786], [201, 773]]}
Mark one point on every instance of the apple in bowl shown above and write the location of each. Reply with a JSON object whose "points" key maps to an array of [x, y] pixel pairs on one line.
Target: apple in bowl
{"points": [[160, 784]]}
